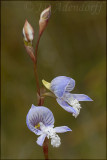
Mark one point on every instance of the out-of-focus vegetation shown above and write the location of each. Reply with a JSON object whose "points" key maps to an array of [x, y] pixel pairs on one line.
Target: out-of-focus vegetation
{"points": [[74, 45]]}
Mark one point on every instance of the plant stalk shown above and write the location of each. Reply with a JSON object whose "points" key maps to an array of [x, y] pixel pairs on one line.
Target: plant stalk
{"points": [[45, 148], [40, 99], [36, 49], [37, 79]]}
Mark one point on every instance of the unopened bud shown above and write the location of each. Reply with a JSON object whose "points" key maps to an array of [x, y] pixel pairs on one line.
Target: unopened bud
{"points": [[44, 18], [28, 32]]}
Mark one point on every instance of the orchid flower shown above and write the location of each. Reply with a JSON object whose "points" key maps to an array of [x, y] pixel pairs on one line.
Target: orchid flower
{"points": [[61, 87], [40, 120]]}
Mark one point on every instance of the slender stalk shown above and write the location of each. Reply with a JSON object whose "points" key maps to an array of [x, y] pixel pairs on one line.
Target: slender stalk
{"points": [[45, 144], [37, 44], [37, 79], [35, 70], [40, 103], [45, 148], [40, 99]]}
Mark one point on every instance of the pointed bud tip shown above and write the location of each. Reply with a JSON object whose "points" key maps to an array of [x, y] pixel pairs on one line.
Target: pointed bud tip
{"points": [[49, 8], [44, 18], [45, 15], [27, 24], [26, 21], [28, 31]]}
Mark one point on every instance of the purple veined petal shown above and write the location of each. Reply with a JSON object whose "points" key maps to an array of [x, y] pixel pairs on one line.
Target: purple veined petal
{"points": [[70, 85], [41, 139], [65, 106], [39, 114], [81, 97], [62, 129], [61, 84]]}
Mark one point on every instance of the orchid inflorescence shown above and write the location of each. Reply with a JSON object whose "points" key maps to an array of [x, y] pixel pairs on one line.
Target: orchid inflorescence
{"points": [[40, 119]]}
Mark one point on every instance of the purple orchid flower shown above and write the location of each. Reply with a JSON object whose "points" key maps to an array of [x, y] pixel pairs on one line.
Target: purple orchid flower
{"points": [[40, 120], [61, 86]]}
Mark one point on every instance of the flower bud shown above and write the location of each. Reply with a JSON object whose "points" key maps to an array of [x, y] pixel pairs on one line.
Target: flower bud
{"points": [[28, 32], [44, 18]]}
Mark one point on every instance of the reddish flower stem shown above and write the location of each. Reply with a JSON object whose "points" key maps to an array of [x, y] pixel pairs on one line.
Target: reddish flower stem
{"points": [[45, 148], [37, 79], [36, 49], [35, 70], [41, 99]]}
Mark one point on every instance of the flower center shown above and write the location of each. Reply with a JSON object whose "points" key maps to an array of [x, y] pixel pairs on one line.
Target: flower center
{"points": [[73, 102], [50, 132], [37, 126]]}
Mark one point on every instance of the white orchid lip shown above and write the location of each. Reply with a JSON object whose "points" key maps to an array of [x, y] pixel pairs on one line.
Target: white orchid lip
{"points": [[50, 133], [75, 104]]}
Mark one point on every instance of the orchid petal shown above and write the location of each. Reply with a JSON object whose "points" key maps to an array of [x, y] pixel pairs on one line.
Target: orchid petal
{"points": [[41, 139], [62, 129], [65, 106], [39, 114], [61, 84], [81, 97]]}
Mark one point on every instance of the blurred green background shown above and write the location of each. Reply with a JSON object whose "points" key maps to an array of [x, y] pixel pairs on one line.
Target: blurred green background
{"points": [[73, 45]]}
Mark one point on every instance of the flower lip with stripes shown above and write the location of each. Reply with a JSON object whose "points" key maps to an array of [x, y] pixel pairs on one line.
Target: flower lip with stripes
{"points": [[40, 120], [61, 86]]}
